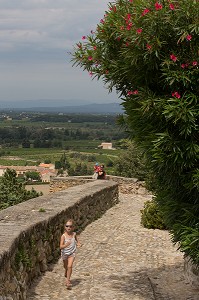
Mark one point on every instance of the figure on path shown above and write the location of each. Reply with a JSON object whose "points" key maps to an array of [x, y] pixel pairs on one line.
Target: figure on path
{"points": [[101, 173], [96, 170], [68, 245]]}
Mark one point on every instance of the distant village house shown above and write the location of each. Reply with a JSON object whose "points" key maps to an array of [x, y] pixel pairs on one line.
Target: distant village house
{"points": [[46, 171], [106, 146]]}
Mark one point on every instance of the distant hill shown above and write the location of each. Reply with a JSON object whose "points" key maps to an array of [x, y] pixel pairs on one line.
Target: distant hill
{"points": [[54, 107]]}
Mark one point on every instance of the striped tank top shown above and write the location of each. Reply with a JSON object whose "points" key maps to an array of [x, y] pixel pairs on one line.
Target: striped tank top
{"points": [[71, 248]]}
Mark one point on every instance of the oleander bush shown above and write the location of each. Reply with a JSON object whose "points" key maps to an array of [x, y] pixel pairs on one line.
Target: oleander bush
{"points": [[148, 51]]}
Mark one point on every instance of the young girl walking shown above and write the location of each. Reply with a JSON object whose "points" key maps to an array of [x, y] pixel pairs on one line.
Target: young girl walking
{"points": [[68, 245]]}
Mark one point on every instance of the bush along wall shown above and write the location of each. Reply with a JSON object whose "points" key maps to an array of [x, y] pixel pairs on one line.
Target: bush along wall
{"points": [[148, 51]]}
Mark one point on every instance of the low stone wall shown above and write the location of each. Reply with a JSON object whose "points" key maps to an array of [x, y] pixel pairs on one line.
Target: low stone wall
{"points": [[126, 185], [62, 183], [30, 231]]}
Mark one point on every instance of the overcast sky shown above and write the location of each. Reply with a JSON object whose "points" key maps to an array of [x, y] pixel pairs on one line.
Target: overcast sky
{"points": [[35, 38]]}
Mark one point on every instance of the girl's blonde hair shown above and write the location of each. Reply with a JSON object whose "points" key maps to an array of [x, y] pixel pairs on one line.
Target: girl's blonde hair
{"points": [[69, 220]]}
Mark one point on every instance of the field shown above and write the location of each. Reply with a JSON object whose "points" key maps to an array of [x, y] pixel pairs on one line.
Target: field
{"points": [[80, 154], [33, 138]]}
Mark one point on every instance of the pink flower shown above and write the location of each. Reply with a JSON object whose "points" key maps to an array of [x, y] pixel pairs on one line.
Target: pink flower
{"points": [[113, 8], [118, 38], [128, 27], [148, 46], [176, 95], [188, 37], [102, 21], [127, 44], [158, 6], [183, 66], [90, 74], [145, 11], [79, 46], [107, 71], [83, 37], [92, 32], [194, 63], [139, 30], [135, 92], [130, 1], [90, 58], [173, 57], [94, 47], [171, 6], [128, 16]]}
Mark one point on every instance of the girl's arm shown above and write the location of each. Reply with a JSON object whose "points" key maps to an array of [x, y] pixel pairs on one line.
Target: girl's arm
{"points": [[78, 242], [62, 245]]}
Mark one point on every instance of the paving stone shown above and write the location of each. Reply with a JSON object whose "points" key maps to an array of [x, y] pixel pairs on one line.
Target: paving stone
{"points": [[120, 260]]}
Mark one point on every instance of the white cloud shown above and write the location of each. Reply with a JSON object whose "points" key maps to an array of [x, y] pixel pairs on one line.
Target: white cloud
{"points": [[35, 36]]}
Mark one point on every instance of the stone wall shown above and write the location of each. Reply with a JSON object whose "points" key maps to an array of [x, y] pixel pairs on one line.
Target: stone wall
{"points": [[30, 231], [62, 183], [126, 185]]}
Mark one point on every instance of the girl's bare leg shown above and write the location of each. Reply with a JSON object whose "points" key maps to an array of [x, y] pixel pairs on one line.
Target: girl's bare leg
{"points": [[69, 269], [65, 266]]}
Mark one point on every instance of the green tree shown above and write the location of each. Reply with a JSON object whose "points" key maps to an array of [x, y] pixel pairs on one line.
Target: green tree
{"points": [[148, 51], [131, 163], [12, 191], [33, 175], [64, 162], [57, 165]]}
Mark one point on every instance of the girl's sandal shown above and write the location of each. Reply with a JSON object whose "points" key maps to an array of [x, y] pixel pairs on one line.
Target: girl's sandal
{"points": [[68, 284]]}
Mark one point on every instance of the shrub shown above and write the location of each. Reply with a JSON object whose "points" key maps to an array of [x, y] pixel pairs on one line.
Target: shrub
{"points": [[151, 216], [131, 163]]}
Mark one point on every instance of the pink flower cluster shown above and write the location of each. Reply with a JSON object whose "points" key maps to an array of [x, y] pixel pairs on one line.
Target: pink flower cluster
{"points": [[135, 92], [128, 22], [194, 64], [158, 6], [176, 95], [171, 6], [183, 66], [145, 11], [173, 57], [188, 37], [139, 30], [148, 46], [113, 8]]}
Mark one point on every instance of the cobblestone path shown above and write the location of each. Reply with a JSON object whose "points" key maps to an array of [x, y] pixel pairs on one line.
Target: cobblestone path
{"points": [[120, 260]]}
